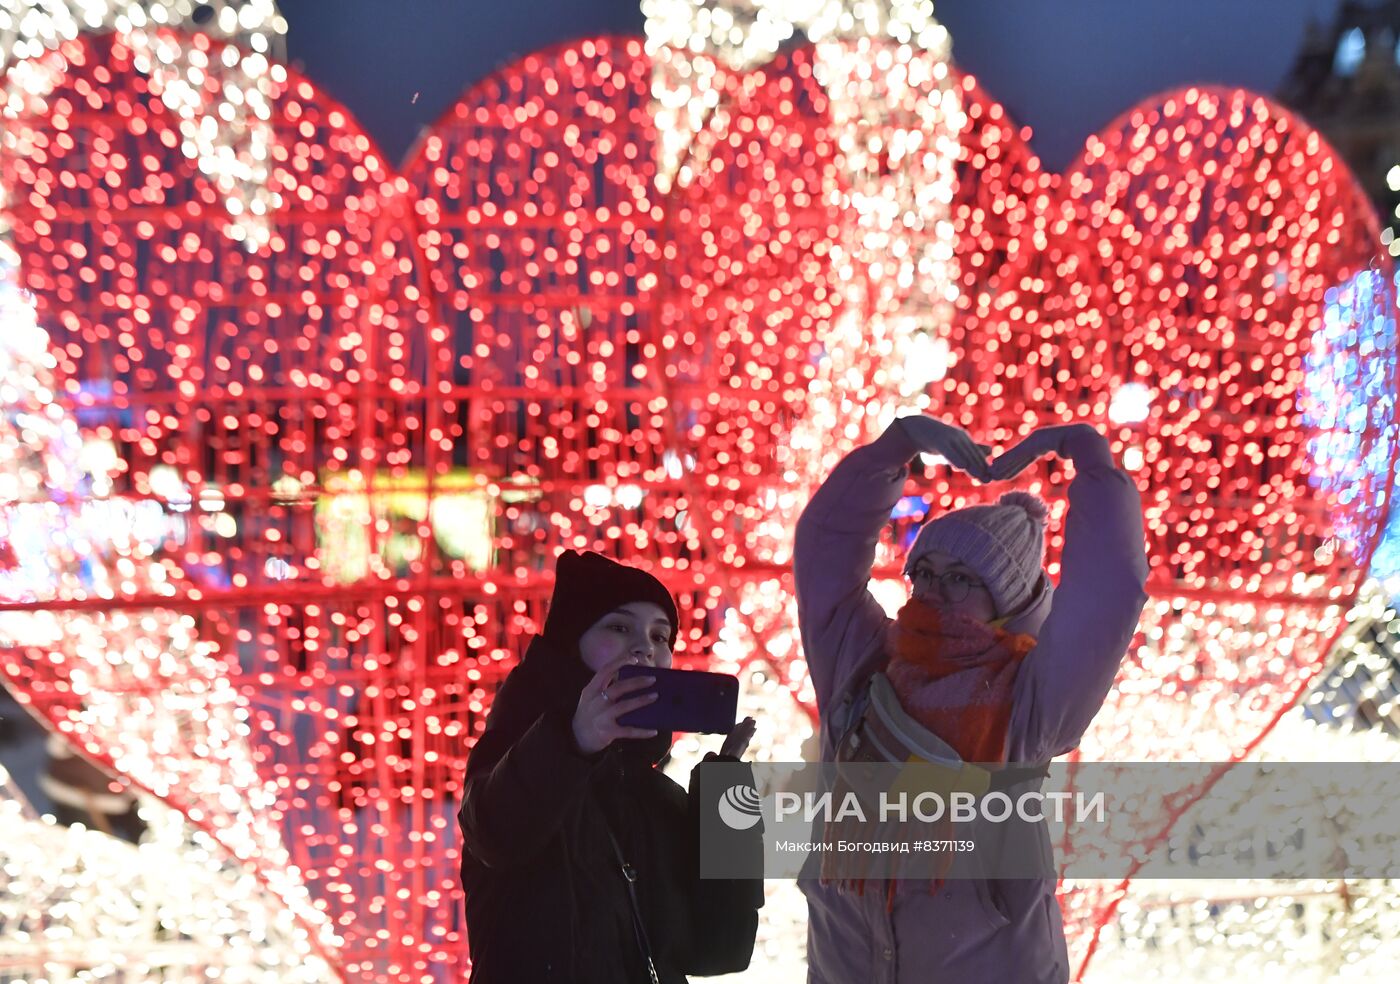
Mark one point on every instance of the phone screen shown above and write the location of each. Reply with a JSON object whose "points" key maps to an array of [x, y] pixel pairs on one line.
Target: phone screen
{"points": [[687, 700]]}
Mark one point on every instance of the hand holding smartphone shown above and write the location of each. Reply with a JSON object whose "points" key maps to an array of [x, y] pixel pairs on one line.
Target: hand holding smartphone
{"points": [[687, 700]]}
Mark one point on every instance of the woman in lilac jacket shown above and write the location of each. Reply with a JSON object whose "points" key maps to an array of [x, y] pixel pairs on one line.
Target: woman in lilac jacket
{"points": [[1061, 646]]}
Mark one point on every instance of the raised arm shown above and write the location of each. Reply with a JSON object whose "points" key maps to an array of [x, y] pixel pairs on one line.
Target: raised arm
{"points": [[842, 625], [1066, 677]]}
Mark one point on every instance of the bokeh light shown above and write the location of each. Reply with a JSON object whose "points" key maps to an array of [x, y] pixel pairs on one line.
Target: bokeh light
{"points": [[530, 340]]}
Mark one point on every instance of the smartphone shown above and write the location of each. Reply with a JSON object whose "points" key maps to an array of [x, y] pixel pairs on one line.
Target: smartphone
{"points": [[687, 700]]}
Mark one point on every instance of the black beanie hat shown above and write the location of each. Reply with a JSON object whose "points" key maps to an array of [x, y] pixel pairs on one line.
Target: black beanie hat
{"points": [[588, 586]]}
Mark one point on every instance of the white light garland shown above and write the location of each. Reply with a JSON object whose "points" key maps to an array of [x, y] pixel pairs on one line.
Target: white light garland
{"points": [[1291, 931], [78, 904], [688, 37], [221, 99], [145, 689]]}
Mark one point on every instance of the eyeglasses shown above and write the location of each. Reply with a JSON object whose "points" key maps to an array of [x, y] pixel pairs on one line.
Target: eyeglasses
{"points": [[954, 586]]}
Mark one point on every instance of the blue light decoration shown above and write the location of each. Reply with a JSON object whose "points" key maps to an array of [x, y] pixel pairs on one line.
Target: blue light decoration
{"points": [[1351, 52], [908, 517], [58, 522], [910, 505], [1350, 381], [1385, 563]]}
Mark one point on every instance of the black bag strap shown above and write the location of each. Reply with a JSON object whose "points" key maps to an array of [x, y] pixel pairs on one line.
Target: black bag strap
{"points": [[1004, 779], [629, 875]]}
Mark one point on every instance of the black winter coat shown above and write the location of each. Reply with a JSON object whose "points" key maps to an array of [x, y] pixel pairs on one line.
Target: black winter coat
{"points": [[546, 898]]}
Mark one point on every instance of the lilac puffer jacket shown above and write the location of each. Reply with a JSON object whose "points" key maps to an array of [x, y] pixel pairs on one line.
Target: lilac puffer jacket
{"points": [[968, 931]]}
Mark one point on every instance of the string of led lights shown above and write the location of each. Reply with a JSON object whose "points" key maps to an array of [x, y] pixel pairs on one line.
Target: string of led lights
{"points": [[80, 901], [1319, 929], [142, 692], [221, 103]]}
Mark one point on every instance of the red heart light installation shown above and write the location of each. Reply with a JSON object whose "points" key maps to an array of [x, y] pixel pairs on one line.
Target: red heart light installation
{"points": [[1169, 288], [405, 402], [245, 388], [1206, 224]]}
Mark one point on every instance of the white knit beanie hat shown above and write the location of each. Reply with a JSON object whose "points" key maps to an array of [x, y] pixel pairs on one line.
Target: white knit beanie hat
{"points": [[1003, 543]]}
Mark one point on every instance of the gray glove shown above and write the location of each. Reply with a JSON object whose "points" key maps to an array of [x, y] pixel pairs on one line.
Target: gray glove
{"points": [[933, 436], [1079, 443]]}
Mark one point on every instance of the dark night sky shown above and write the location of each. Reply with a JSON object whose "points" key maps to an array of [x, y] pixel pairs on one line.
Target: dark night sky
{"points": [[1066, 67]]}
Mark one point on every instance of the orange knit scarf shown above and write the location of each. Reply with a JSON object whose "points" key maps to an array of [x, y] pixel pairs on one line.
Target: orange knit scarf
{"points": [[954, 675]]}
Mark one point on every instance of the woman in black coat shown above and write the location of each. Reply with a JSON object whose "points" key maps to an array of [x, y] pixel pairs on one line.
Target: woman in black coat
{"points": [[561, 802]]}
